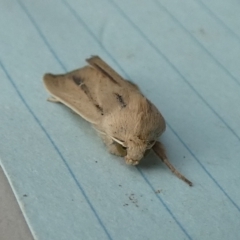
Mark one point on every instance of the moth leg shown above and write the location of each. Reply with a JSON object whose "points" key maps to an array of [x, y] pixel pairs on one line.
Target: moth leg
{"points": [[159, 149], [53, 99], [114, 147]]}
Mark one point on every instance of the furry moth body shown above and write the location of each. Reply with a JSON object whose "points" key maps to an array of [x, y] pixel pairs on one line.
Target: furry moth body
{"points": [[128, 123]]}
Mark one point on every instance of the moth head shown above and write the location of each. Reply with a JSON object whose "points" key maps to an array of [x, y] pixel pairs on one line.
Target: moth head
{"points": [[135, 149], [136, 127]]}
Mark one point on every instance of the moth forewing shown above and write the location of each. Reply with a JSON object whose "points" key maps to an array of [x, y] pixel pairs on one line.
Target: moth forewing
{"points": [[74, 90], [103, 67]]}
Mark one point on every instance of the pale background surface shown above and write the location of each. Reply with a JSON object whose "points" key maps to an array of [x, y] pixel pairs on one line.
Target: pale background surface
{"points": [[184, 55]]}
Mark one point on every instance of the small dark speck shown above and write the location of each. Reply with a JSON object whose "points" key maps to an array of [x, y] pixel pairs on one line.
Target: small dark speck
{"points": [[158, 191], [184, 157], [119, 185], [25, 195], [125, 204], [136, 205], [95, 161], [202, 30]]}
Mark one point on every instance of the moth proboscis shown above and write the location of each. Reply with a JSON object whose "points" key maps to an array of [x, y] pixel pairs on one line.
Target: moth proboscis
{"points": [[128, 123]]}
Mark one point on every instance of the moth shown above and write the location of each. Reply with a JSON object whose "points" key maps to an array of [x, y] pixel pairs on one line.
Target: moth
{"points": [[128, 123]]}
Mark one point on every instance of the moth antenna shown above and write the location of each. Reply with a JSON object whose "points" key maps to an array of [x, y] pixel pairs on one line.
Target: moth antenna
{"points": [[158, 148]]}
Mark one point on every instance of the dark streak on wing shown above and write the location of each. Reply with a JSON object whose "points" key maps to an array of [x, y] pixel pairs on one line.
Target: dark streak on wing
{"points": [[120, 100], [87, 92], [99, 108], [77, 80], [105, 73], [80, 82]]}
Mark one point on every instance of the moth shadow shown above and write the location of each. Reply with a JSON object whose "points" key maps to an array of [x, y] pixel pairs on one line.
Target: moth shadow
{"points": [[151, 161], [76, 119]]}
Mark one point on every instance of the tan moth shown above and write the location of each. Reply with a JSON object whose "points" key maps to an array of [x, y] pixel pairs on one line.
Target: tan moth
{"points": [[128, 123]]}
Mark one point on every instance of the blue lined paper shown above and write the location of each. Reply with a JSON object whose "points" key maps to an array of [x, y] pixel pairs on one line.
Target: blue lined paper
{"points": [[184, 57]]}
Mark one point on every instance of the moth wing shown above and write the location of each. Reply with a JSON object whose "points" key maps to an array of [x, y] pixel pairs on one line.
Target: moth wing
{"points": [[103, 67], [116, 89], [92, 91], [72, 89]]}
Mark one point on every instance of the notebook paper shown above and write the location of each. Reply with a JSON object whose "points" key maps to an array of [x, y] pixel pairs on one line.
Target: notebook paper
{"points": [[184, 55]]}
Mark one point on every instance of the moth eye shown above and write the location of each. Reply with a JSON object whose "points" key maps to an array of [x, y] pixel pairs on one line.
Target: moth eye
{"points": [[124, 147]]}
